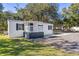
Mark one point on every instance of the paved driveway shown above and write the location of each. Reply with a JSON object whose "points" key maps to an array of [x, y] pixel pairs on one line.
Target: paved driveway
{"points": [[70, 36]]}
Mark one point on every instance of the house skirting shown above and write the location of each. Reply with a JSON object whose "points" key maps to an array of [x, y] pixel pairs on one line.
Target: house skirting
{"points": [[33, 35]]}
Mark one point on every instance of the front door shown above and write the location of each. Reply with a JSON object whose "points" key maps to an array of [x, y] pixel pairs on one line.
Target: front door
{"points": [[31, 27]]}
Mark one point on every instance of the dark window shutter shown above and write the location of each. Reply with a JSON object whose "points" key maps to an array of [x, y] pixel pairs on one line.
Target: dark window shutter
{"points": [[16, 26]]}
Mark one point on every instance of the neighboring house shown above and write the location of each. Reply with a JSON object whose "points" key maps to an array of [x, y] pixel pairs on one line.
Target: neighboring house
{"points": [[29, 29]]}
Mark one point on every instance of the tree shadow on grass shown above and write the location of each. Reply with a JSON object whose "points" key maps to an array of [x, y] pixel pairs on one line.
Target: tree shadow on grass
{"points": [[14, 47]]}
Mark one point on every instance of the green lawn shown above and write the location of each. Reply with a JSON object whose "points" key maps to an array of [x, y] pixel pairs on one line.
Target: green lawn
{"points": [[23, 47]]}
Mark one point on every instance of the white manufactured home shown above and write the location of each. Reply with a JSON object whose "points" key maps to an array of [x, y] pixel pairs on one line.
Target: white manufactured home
{"points": [[29, 29]]}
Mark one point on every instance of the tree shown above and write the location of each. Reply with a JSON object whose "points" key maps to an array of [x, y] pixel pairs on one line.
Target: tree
{"points": [[1, 7], [39, 12], [2, 17], [71, 15], [2, 22]]}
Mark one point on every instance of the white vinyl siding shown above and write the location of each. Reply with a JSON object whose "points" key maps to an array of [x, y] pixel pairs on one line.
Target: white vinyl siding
{"points": [[29, 26]]}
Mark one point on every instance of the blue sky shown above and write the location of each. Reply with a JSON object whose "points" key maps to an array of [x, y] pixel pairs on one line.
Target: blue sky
{"points": [[10, 6], [63, 5]]}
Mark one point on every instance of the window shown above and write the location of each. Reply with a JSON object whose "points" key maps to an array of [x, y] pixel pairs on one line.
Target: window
{"points": [[31, 24], [49, 27], [19, 26], [40, 25], [40, 28]]}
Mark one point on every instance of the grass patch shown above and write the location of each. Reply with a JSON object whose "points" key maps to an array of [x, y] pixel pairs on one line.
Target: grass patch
{"points": [[2, 36], [23, 47]]}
